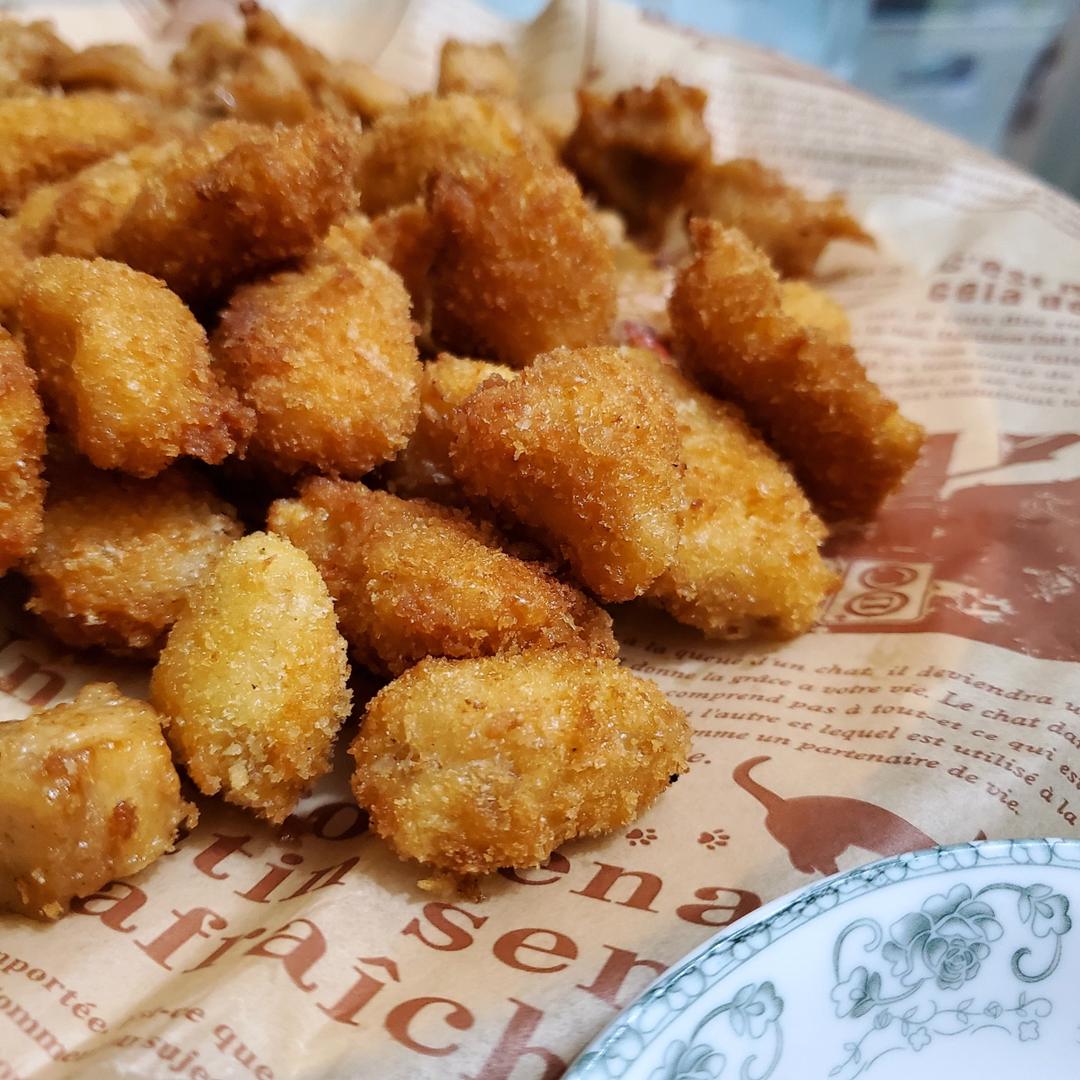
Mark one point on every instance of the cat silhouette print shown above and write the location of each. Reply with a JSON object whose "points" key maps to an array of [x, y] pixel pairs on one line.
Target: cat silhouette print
{"points": [[817, 829]]}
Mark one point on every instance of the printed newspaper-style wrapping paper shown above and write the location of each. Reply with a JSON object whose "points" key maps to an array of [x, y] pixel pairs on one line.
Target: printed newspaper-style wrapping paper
{"points": [[940, 690]]}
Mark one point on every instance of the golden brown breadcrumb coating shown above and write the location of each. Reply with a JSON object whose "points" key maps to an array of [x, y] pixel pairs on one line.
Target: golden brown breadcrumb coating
{"points": [[403, 239], [13, 264], [114, 67], [326, 357], [118, 557], [790, 228], [808, 394], [520, 265], [30, 54], [635, 149], [815, 309], [239, 199], [405, 146], [468, 68], [473, 765], [125, 367], [423, 469], [582, 447], [412, 579], [47, 138], [252, 681], [747, 564], [78, 216], [22, 446], [88, 793], [266, 74]]}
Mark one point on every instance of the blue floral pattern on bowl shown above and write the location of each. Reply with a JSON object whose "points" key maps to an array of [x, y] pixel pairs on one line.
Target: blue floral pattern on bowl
{"points": [[868, 968]]}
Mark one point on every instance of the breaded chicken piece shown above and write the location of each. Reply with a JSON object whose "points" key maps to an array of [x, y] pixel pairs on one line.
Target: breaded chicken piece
{"points": [[815, 309], [22, 446], [430, 134], [790, 228], [30, 54], [583, 448], [88, 793], [808, 394], [468, 68], [125, 368], [252, 681], [13, 264], [78, 216], [635, 149], [327, 359], [341, 88], [401, 237], [48, 138], [520, 265], [412, 579], [114, 67], [237, 200], [747, 564], [119, 557], [473, 765], [423, 469]]}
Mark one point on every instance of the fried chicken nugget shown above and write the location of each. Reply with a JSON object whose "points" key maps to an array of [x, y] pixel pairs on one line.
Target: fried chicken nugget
{"points": [[790, 228], [30, 54], [47, 138], [88, 793], [747, 564], [423, 469], [252, 681], [13, 264], [467, 68], [808, 394], [583, 447], [520, 265], [114, 67], [22, 446], [412, 579], [405, 146], [268, 75], [78, 216], [237, 200], [815, 309], [125, 367], [118, 557], [326, 357], [473, 765], [635, 149]]}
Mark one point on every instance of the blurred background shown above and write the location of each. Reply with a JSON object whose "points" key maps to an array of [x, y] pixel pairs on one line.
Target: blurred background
{"points": [[1003, 74]]}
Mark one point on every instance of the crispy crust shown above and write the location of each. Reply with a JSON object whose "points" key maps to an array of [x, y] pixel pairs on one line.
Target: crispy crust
{"points": [[472, 765], [326, 357], [22, 446], [582, 447], [809, 394], [520, 266], [252, 681], [118, 557], [748, 563], [412, 579], [778, 218], [237, 200], [125, 367]]}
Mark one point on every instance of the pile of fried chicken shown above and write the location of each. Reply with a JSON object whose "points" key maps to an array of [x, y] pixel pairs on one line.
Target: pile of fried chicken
{"points": [[298, 371]]}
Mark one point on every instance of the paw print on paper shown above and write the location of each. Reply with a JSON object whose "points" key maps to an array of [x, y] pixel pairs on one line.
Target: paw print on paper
{"points": [[641, 836], [717, 838]]}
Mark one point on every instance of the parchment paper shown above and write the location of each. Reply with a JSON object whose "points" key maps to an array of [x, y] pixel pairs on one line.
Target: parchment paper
{"points": [[940, 689]]}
